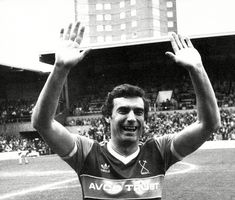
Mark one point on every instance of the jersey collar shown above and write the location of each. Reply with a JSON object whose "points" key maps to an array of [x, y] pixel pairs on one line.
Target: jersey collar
{"points": [[124, 159]]}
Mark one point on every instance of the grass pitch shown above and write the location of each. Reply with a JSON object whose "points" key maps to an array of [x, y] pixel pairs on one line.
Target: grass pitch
{"points": [[204, 175]]}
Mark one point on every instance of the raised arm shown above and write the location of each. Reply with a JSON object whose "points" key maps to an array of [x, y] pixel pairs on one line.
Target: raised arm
{"points": [[193, 136], [67, 56]]}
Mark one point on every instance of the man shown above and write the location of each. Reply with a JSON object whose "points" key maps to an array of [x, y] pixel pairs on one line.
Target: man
{"points": [[123, 169], [23, 152]]}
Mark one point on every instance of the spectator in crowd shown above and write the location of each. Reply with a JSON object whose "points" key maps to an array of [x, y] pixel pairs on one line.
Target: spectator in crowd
{"points": [[122, 161]]}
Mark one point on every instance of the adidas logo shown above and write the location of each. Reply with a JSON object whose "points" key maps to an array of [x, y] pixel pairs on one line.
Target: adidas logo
{"points": [[105, 168]]}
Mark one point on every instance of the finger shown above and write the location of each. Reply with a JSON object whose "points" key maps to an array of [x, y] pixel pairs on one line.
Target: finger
{"points": [[177, 40], [80, 35], [188, 41], [173, 44], [61, 33], [85, 52], [170, 55], [75, 31], [67, 35], [182, 40]]}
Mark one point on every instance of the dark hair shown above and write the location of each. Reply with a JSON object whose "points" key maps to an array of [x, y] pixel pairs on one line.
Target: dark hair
{"points": [[124, 90]]}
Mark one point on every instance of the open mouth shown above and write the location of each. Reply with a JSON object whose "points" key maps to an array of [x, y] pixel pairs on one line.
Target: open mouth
{"points": [[130, 128]]}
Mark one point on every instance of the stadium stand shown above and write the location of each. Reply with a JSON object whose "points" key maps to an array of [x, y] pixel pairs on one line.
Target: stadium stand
{"points": [[114, 65]]}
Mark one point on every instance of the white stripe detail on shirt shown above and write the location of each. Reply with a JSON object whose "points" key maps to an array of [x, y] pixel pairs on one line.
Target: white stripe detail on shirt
{"points": [[71, 153], [123, 159], [174, 152]]}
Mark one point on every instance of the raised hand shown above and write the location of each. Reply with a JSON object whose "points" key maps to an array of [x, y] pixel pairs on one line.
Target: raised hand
{"points": [[184, 52], [68, 53]]}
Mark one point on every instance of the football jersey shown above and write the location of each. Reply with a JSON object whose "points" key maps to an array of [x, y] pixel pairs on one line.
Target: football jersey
{"points": [[103, 175]]}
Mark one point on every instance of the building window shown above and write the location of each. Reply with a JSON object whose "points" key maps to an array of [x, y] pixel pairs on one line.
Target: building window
{"points": [[134, 23], [170, 24], [123, 26], [100, 28], [169, 4], [133, 12], [107, 6], [108, 28], [108, 38], [107, 17], [122, 15], [169, 14], [99, 6], [122, 4], [123, 37], [133, 2], [100, 39], [134, 35], [99, 17]]}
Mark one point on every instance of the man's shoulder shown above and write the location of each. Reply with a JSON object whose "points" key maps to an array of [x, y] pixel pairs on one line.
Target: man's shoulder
{"points": [[148, 144], [153, 140], [160, 142], [83, 140], [165, 137]]}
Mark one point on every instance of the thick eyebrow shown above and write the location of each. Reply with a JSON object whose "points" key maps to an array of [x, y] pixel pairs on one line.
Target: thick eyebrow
{"points": [[124, 108], [139, 109]]}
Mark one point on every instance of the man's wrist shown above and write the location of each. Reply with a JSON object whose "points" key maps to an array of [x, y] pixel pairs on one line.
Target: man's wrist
{"points": [[197, 68], [61, 67]]}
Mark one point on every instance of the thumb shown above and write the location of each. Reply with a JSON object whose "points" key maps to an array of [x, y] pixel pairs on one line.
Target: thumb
{"points": [[170, 55], [85, 52]]}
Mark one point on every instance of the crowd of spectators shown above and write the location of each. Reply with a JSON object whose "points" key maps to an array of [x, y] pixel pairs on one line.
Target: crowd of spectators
{"points": [[15, 110], [14, 143]]}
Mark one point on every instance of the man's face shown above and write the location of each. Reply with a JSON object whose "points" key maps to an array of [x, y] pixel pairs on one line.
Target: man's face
{"points": [[127, 120]]}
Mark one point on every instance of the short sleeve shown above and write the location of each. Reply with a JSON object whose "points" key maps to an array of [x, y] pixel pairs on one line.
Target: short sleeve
{"points": [[78, 154], [165, 145]]}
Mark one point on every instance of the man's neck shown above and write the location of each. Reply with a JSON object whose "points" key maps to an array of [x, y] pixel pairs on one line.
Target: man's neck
{"points": [[124, 148]]}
